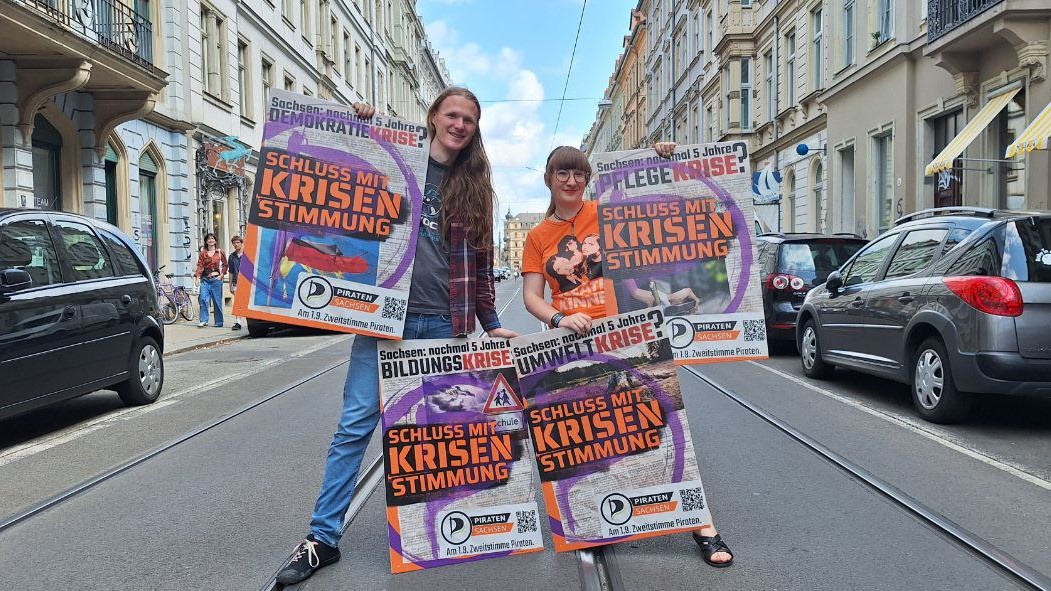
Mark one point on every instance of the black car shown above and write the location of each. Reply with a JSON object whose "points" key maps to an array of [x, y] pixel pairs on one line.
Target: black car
{"points": [[78, 313], [952, 301], [791, 265]]}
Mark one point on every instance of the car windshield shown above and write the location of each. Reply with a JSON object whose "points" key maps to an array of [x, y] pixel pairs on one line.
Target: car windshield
{"points": [[812, 261], [1027, 250]]}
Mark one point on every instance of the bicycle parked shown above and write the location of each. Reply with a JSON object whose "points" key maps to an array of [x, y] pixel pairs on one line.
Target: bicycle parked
{"points": [[173, 300]]}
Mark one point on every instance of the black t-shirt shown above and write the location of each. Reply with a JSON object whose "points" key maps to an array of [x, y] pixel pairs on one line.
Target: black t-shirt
{"points": [[429, 292]]}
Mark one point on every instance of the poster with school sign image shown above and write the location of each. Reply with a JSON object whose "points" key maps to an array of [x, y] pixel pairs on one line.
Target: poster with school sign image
{"points": [[459, 480], [678, 233], [332, 226], [609, 430]]}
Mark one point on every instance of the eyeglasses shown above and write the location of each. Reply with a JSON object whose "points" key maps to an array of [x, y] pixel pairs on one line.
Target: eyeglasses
{"points": [[578, 175]]}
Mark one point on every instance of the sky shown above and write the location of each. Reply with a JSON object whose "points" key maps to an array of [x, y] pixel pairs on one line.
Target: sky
{"points": [[520, 49]]}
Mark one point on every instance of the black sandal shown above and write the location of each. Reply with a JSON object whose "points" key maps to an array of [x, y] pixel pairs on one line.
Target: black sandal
{"points": [[712, 545]]}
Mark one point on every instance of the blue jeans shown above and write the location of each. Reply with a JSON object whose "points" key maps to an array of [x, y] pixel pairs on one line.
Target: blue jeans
{"points": [[361, 412], [212, 290]]}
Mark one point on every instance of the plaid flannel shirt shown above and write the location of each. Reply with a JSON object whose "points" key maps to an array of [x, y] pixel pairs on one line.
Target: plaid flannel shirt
{"points": [[472, 290]]}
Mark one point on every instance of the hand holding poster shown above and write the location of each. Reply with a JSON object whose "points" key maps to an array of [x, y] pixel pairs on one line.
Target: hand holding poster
{"points": [[333, 221], [677, 233], [609, 430], [459, 480]]}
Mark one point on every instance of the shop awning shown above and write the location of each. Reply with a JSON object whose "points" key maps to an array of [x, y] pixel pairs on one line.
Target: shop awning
{"points": [[1034, 137], [970, 131]]}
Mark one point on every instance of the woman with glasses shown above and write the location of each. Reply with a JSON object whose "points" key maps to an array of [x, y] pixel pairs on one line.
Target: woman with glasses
{"points": [[563, 252]]}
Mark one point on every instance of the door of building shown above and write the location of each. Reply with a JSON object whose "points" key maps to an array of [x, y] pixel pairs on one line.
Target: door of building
{"points": [[948, 184]]}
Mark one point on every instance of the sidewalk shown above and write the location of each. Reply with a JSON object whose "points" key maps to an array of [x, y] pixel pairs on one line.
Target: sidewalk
{"points": [[185, 336]]}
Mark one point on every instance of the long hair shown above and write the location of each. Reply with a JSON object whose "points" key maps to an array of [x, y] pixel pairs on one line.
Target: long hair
{"points": [[564, 158], [468, 188]]}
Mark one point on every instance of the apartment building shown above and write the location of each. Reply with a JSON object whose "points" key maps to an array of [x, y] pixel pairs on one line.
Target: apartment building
{"points": [[515, 229], [71, 76]]}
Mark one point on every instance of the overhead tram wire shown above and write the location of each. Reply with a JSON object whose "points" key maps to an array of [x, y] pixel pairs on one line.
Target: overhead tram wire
{"points": [[569, 72]]}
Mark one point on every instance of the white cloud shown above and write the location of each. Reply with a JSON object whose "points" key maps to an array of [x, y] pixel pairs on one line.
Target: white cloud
{"points": [[517, 138]]}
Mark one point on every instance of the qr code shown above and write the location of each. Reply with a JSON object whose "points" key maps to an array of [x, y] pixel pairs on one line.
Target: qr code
{"points": [[393, 308], [692, 499], [526, 521], [755, 330]]}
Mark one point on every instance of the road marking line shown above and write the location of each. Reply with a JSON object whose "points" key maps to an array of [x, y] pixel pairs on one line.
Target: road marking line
{"points": [[916, 428], [22, 451]]}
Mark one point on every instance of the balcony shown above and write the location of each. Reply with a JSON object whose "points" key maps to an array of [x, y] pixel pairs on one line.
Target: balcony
{"points": [[109, 23], [943, 16]]}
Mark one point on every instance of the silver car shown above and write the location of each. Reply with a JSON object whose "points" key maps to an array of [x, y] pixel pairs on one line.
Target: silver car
{"points": [[955, 302]]}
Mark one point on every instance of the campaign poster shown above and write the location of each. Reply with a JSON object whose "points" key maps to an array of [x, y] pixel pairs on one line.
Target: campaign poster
{"points": [[459, 480], [332, 226], [609, 430], [678, 233]]}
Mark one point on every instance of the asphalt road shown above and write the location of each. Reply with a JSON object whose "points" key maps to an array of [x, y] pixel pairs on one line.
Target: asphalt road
{"points": [[223, 509]]}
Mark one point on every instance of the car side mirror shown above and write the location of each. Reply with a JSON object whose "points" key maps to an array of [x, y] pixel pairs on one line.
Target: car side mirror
{"points": [[834, 281], [12, 280]]}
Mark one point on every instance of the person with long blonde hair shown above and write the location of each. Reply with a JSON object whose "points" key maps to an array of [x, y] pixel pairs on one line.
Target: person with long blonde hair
{"points": [[452, 284], [574, 305]]}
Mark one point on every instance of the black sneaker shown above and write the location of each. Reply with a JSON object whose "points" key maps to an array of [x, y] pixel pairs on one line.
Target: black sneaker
{"points": [[309, 556], [237, 326]]}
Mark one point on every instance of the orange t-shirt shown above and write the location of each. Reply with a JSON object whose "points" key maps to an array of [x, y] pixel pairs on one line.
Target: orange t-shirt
{"points": [[569, 257]]}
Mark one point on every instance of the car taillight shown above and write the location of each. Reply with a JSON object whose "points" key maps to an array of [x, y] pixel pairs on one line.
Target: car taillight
{"points": [[782, 282], [992, 295]]}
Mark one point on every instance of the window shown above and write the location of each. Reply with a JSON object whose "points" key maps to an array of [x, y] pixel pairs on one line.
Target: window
{"points": [[214, 60], [957, 236], [771, 95], [710, 136], [982, 259], [746, 93], [307, 91], [348, 65], [333, 35], [244, 77], [286, 12], [916, 251], [848, 32], [359, 82], [816, 58], [709, 42], [290, 83], [885, 19], [726, 93], [1027, 244], [26, 245], [680, 51], [867, 264], [304, 20], [87, 257], [790, 68], [125, 261], [884, 179], [148, 204], [367, 81], [818, 198], [267, 74], [697, 49]]}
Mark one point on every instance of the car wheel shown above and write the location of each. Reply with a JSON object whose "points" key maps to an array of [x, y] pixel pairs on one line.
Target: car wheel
{"points": [[934, 393], [810, 354], [257, 329], [144, 384]]}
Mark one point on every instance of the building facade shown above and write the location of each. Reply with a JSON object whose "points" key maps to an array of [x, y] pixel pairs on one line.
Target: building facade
{"points": [[874, 90], [150, 113], [515, 229]]}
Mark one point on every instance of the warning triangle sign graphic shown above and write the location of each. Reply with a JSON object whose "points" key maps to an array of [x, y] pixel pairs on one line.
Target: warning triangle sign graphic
{"points": [[502, 398]]}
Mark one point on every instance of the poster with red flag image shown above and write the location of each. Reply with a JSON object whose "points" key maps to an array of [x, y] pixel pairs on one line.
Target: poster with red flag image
{"points": [[333, 221], [459, 480]]}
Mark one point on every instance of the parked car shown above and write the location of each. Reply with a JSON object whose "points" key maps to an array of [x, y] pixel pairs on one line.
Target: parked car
{"points": [[952, 301], [78, 313], [501, 273], [790, 266]]}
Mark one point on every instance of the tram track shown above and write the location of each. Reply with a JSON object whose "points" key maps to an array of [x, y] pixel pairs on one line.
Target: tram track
{"points": [[90, 483], [954, 532]]}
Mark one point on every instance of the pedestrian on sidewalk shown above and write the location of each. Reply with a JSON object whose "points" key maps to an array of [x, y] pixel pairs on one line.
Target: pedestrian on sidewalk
{"points": [[452, 283], [563, 252], [211, 267], [233, 265]]}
